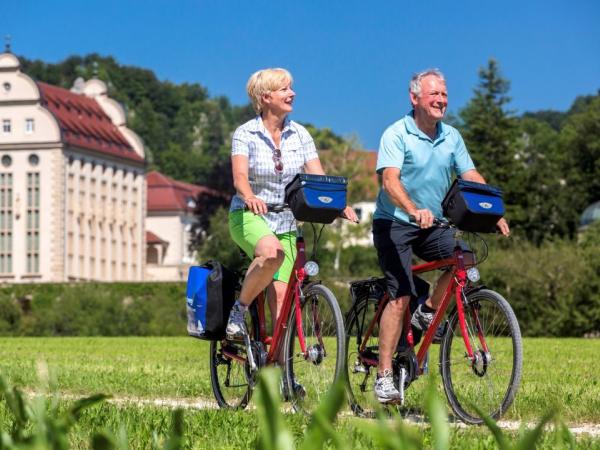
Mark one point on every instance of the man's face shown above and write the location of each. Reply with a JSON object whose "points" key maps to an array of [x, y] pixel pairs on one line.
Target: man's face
{"points": [[433, 100]]}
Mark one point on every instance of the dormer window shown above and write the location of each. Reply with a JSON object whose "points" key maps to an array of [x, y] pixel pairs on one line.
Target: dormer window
{"points": [[6, 126], [29, 126]]}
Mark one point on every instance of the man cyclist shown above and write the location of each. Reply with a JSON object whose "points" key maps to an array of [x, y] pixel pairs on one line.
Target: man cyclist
{"points": [[418, 156]]}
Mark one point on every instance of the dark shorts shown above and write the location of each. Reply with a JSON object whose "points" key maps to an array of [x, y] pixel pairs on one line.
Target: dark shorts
{"points": [[396, 243]]}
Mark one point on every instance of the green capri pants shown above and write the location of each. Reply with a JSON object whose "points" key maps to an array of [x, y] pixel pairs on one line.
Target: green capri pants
{"points": [[247, 228]]}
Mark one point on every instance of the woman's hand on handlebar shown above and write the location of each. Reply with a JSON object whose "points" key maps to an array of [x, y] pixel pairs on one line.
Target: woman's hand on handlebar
{"points": [[349, 214], [256, 205]]}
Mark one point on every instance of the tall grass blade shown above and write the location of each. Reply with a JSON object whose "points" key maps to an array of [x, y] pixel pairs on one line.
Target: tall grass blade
{"points": [[175, 440], [274, 434], [321, 426], [501, 439], [530, 438], [436, 411]]}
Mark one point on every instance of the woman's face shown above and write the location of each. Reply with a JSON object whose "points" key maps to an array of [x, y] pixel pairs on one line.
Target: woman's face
{"points": [[281, 100]]}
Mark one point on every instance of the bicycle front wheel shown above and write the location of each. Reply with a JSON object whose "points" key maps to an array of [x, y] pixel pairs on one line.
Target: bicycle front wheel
{"points": [[490, 382], [309, 375]]}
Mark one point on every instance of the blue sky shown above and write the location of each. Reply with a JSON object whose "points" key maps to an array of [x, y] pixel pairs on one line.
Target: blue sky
{"points": [[351, 60]]}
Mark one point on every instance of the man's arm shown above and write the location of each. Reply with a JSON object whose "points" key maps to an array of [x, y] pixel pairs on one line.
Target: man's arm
{"points": [[473, 175], [397, 193]]}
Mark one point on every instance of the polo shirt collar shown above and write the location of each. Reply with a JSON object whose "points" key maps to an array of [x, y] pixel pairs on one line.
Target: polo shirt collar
{"points": [[411, 127]]}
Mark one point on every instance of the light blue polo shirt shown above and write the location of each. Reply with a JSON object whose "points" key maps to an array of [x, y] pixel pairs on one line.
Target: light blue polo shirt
{"points": [[427, 166]]}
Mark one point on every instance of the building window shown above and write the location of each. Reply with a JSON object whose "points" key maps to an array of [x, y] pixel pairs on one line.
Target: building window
{"points": [[6, 221], [33, 222], [6, 126], [34, 159], [29, 126], [6, 160]]}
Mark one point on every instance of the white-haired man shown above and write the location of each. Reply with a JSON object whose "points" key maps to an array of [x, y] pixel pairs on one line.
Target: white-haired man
{"points": [[418, 156]]}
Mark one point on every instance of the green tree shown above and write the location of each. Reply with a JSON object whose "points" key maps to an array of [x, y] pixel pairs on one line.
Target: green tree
{"points": [[490, 132], [488, 128], [580, 145], [547, 200]]}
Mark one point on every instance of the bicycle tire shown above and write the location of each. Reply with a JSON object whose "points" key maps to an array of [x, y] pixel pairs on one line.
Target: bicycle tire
{"points": [[360, 377], [492, 383], [317, 373], [231, 393]]}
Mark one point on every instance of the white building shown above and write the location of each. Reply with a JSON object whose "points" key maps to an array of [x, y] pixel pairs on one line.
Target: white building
{"points": [[72, 185], [169, 221]]}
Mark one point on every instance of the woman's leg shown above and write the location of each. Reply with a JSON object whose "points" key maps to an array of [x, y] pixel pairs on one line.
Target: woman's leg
{"points": [[268, 257]]}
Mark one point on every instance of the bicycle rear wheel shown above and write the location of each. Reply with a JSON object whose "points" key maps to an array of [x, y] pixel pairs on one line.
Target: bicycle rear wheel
{"points": [[491, 382], [361, 366], [228, 376], [323, 330]]}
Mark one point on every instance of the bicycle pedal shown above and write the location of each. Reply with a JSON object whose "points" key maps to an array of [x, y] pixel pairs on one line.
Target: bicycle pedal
{"points": [[359, 368]]}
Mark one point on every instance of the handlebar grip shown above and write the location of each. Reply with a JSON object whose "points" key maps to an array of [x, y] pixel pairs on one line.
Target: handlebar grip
{"points": [[436, 222]]}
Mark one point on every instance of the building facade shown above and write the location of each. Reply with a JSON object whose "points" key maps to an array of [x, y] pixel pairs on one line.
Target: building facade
{"points": [[170, 220], [72, 183]]}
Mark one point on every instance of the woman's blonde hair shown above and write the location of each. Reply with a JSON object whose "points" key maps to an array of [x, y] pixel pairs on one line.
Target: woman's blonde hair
{"points": [[266, 81]]}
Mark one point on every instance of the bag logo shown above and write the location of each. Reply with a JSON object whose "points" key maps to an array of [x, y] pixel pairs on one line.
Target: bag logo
{"points": [[325, 199], [485, 205]]}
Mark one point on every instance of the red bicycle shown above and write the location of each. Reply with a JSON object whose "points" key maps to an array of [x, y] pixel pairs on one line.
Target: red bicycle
{"points": [[309, 331], [480, 357]]}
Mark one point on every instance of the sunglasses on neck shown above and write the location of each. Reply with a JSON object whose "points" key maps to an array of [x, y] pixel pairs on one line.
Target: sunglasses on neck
{"points": [[277, 160]]}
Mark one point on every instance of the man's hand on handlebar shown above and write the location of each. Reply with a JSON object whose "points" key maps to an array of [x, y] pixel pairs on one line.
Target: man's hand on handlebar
{"points": [[423, 217], [503, 228]]}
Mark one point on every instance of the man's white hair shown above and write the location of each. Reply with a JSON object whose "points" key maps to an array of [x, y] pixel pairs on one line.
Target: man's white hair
{"points": [[415, 82]]}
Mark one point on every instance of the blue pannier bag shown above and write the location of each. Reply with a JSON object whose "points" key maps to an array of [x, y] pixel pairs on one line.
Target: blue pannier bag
{"points": [[316, 198], [210, 294], [473, 206]]}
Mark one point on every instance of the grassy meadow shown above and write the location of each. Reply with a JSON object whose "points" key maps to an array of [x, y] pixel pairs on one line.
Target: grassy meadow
{"points": [[558, 374]]}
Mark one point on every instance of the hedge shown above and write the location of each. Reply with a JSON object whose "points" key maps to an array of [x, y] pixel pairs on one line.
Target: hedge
{"points": [[554, 289]]}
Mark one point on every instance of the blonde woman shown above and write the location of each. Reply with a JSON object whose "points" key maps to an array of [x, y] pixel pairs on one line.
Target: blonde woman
{"points": [[267, 152]]}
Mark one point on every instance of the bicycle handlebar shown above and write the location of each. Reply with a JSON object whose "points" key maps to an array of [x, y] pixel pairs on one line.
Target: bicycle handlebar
{"points": [[442, 223]]}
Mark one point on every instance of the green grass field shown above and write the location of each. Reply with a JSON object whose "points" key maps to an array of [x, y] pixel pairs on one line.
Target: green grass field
{"points": [[558, 374]]}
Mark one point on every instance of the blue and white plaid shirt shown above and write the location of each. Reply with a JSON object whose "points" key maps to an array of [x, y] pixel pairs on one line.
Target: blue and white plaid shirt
{"points": [[254, 141]]}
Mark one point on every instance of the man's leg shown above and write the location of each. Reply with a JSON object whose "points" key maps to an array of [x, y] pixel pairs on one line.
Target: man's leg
{"points": [[390, 330], [392, 242]]}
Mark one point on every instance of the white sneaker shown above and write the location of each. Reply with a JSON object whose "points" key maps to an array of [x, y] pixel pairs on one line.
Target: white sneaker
{"points": [[385, 391], [236, 325], [421, 319]]}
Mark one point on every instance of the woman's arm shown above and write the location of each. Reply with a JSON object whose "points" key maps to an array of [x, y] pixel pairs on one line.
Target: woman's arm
{"points": [[239, 167], [314, 167]]}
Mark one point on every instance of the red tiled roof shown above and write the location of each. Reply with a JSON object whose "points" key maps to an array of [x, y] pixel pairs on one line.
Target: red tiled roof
{"points": [[152, 238], [84, 123], [167, 194]]}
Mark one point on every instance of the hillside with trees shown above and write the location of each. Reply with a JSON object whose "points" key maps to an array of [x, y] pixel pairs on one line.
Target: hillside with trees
{"points": [[547, 163]]}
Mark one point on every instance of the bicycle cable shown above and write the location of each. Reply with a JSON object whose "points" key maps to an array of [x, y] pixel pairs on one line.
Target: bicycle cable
{"points": [[316, 239]]}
